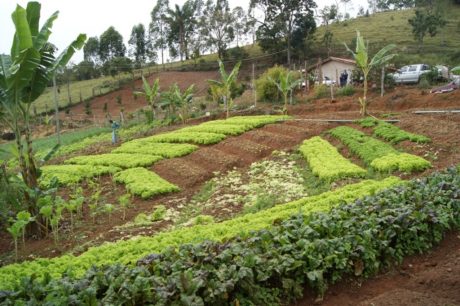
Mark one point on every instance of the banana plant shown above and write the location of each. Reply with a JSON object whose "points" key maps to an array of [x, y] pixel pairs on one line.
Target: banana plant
{"points": [[225, 85], [150, 93], [24, 76], [285, 84], [174, 99], [361, 56]]}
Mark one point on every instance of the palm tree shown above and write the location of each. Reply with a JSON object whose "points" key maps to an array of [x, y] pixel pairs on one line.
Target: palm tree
{"points": [[286, 83], [181, 22], [228, 80], [150, 93], [24, 76], [361, 57]]}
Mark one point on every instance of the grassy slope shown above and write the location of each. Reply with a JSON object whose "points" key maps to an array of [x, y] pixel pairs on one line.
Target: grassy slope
{"points": [[392, 27]]}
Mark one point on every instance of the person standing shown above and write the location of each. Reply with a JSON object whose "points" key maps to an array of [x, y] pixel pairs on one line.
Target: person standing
{"points": [[115, 126]]}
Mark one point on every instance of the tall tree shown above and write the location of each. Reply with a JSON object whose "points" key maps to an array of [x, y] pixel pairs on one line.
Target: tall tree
{"points": [[141, 47], [159, 27], [24, 76], [281, 20], [181, 22], [91, 50], [216, 26], [241, 24], [111, 45]]}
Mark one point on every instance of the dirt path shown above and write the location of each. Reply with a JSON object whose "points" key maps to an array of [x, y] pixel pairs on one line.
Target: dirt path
{"points": [[432, 279]]}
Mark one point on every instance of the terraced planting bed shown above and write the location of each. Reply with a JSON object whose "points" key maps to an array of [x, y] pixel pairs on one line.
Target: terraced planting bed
{"points": [[377, 154], [237, 245]]}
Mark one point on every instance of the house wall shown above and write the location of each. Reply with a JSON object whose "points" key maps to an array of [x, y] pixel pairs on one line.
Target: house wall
{"points": [[333, 69]]}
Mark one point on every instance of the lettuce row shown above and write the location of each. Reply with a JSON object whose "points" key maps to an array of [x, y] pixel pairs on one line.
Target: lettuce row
{"points": [[394, 134], [129, 251], [187, 137], [144, 183], [71, 174], [122, 160], [166, 150], [326, 162], [369, 149]]}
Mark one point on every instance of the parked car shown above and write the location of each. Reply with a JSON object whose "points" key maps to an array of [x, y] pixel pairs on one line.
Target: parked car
{"points": [[326, 81], [411, 73]]}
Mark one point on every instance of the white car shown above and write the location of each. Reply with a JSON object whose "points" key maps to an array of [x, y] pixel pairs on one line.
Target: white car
{"points": [[411, 73]]}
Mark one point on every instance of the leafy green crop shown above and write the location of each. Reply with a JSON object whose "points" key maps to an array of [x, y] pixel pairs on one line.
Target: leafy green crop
{"points": [[326, 162], [191, 137], [71, 174], [226, 129], [369, 149], [145, 183], [394, 134], [121, 160], [128, 252], [166, 150], [403, 162], [274, 265]]}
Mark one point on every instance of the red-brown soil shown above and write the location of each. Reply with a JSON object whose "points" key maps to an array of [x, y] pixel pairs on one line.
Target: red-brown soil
{"points": [[190, 172], [130, 104]]}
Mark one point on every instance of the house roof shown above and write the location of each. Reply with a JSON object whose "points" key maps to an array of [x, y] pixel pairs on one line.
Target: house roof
{"points": [[335, 59]]}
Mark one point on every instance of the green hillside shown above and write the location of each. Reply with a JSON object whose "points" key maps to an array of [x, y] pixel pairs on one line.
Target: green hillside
{"points": [[393, 27]]}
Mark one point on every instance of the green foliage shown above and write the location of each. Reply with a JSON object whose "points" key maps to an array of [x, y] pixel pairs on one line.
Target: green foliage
{"points": [[120, 160], [144, 183], [18, 228], [360, 238], [125, 202], [361, 56], [111, 45], [368, 122], [321, 91], [166, 150], [225, 85], [191, 137], [326, 162], [346, 91], [394, 134], [425, 22], [202, 220], [130, 251], [400, 162], [379, 155], [267, 91], [150, 93], [158, 214], [72, 174], [226, 129], [286, 83]]}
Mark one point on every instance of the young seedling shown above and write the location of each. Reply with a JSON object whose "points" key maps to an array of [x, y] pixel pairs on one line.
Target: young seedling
{"points": [[109, 208], [24, 218], [124, 201], [15, 231]]}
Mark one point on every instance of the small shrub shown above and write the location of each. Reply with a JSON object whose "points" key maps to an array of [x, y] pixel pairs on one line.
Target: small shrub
{"points": [[266, 90], [346, 91], [88, 110], [424, 84], [321, 91], [158, 214]]}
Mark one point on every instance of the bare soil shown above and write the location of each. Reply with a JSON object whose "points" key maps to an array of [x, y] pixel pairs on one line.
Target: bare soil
{"points": [[432, 279]]}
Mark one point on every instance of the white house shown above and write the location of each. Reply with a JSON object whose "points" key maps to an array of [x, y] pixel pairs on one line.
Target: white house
{"points": [[332, 68]]}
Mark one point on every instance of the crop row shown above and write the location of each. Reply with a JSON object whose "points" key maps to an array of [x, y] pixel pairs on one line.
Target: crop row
{"points": [[391, 132], [166, 150], [394, 134], [121, 160], [326, 162], [144, 183], [71, 174], [128, 252], [378, 154], [274, 265], [187, 137]]}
